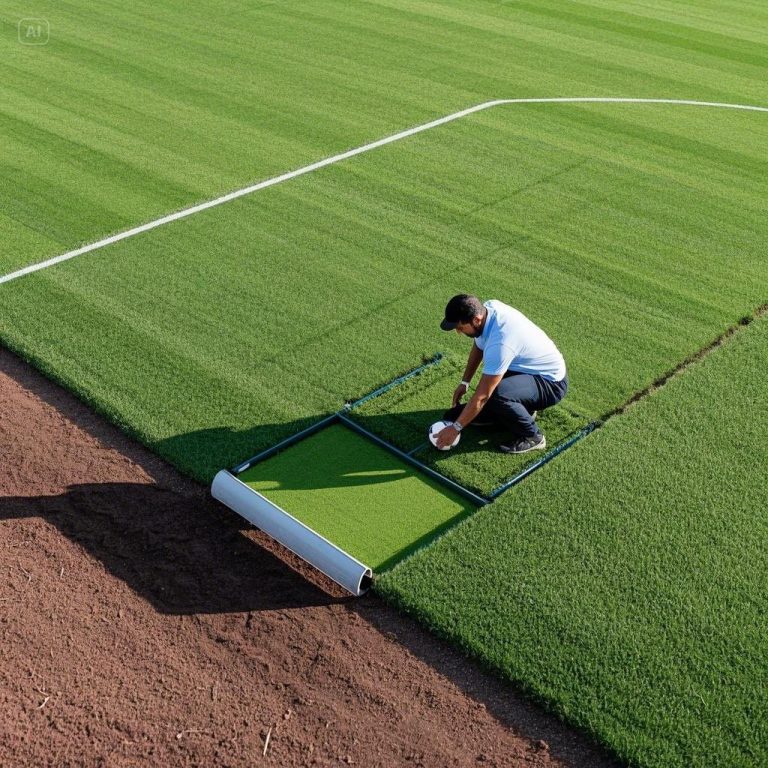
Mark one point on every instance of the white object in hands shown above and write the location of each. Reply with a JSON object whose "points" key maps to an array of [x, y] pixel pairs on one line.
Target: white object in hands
{"points": [[436, 429]]}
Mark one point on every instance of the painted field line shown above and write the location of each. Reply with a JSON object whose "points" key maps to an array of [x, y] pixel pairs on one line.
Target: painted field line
{"points": [[351, 153]]}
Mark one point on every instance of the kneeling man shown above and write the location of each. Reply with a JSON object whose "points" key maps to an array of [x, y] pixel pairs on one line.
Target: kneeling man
{"points": [[523, 372]]}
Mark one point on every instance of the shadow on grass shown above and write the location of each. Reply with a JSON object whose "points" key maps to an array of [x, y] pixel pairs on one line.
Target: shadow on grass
{"points": [[476, 463], [321, 463], [202, 453], [408, 430], [426, 539]]}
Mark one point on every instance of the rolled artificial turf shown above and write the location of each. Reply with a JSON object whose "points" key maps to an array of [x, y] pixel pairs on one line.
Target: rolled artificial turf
{"points": [[625, 583], [358, 496]]}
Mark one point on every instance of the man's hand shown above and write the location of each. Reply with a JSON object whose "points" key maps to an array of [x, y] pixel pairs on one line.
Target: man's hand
{"points": [[458, 393], [446, 436], [486, 387]]}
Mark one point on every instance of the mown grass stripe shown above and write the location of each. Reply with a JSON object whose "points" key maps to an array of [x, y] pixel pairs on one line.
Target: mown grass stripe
{"points": [[168, 334], [345, 156]]}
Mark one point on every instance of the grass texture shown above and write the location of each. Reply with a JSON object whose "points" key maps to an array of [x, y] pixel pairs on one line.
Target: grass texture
{"points": [[403, 416], [632, 234], [215, 336], [625, 583], [131, 111], [357, 495]]}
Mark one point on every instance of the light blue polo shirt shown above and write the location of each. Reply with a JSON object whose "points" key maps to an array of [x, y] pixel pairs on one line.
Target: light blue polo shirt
{"points": [[511, 342]]}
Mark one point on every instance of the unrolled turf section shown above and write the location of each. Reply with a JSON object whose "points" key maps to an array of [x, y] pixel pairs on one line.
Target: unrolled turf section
{"points": [[625, 583], [358, 495]]}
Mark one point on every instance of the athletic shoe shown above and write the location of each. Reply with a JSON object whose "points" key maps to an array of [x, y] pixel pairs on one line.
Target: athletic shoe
{"points": [[453, 413], [534, 415], [525, 444]]}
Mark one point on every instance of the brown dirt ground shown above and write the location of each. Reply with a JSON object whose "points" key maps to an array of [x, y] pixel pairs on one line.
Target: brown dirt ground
{"points": [[143, 624]]}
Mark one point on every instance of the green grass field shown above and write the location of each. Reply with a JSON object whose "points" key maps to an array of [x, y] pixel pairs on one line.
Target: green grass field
{"points": [[634, 234], [214, 336]]}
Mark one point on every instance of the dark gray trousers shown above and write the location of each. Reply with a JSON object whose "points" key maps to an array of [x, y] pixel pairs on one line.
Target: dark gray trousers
{"points": [[517, 397]]}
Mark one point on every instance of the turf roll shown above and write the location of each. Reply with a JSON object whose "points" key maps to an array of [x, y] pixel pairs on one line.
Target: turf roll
{"points": [[344, 569]]}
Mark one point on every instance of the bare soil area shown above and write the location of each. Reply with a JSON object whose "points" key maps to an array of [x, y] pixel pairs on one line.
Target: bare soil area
{"points": [[141, 623]]}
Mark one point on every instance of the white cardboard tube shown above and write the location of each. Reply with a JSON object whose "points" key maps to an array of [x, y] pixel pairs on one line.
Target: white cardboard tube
{"points": [[309, 545]]}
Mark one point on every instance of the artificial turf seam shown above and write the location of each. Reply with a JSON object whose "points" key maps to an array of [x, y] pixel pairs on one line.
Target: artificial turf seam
{"points": [[661, 382], [690, 360], [517, 535], [657, 385]]}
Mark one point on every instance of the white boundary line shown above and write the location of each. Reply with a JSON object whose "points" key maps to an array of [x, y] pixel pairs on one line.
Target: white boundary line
{"points": [[351, 153]]}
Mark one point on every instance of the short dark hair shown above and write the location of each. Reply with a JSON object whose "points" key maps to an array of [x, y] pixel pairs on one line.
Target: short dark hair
{"points": [[461, 309]]}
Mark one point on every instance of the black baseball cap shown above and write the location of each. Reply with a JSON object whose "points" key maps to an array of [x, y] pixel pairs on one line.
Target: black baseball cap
{"points": [[461, 309]]}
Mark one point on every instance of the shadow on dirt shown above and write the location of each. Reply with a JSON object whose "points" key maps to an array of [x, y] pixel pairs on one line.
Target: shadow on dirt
{"points": [[184, 553]]}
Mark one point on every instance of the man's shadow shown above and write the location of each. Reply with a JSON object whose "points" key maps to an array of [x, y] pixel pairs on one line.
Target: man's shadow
{"points": [[185, 554], [176, 546]]}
